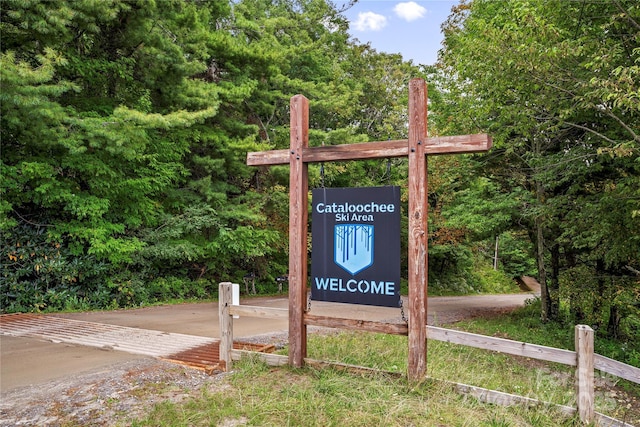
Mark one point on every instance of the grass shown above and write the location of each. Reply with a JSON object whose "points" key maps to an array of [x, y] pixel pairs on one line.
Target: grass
{"points": [[263, 396], [258, 395], [450, 362], [525, 325]]}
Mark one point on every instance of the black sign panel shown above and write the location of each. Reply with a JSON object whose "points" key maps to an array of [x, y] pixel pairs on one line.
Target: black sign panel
{"points": [[356, 245]]}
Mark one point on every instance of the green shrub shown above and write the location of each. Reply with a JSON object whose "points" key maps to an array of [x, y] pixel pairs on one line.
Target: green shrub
{"points": [[172, 288], [40, 272], [485, 279]]}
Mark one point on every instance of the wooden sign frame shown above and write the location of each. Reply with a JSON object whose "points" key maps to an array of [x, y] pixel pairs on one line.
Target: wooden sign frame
{"points": [[416, 148]]}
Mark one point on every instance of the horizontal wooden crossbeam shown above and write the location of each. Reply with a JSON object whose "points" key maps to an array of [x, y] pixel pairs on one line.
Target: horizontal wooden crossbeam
{"points": [[374, 150], [416, 148], [356, 324]]}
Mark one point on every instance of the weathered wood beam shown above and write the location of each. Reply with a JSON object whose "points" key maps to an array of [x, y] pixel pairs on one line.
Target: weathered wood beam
{"points": [[418, 244], [585, 388], [355, 324], [257, 311], [375, 150], [613, 367], [502, 345], [298, 219], [226, 324]]}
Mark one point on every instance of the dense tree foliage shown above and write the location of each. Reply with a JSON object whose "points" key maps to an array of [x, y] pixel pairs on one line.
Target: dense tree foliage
{"points": [[125, 126], [556, 83]]}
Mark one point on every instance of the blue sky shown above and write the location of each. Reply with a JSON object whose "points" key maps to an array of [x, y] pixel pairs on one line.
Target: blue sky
{"points": [[411, 28]]}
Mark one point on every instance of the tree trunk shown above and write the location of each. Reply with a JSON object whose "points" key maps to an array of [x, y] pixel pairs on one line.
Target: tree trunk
{"points": [[575, 308], [613, 327], [542, 272], [599, 299], [553, 285], [545, 297]]}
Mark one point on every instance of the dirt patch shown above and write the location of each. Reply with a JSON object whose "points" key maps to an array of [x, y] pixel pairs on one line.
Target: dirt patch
{"points": [[119, 394]]}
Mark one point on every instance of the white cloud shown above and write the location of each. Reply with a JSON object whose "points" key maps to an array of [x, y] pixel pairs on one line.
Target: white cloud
{"points": [[370, 21], [409, 11]]}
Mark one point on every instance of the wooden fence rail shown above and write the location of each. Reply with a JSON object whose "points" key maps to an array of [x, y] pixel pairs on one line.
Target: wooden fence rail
{"points": [[584, 359], [619, 369]]}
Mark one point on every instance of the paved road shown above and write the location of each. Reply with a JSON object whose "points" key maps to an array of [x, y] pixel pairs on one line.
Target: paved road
{"points": [[29, 361]]}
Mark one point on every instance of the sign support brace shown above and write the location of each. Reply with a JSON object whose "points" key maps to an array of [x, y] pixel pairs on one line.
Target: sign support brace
{"points": [[416, 148]]}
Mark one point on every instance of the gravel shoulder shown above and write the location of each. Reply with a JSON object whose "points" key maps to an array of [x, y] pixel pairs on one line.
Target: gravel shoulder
{"points": [[113, 395]]}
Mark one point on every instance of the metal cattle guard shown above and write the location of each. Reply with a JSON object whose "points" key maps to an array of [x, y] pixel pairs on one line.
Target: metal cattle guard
{"points": [[416, 148]]}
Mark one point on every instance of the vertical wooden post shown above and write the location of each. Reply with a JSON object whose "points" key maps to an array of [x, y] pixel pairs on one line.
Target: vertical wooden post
{"points": [[298, 216], [226, 324], [584, 373], [418, 211]]}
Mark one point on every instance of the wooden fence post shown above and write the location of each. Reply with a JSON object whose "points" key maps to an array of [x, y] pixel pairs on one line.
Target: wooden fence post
{"points": [[298, 223], [226, 324], [584, 373], [418, 238]]}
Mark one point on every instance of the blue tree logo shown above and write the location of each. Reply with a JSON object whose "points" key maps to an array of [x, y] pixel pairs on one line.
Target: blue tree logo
{"points": [[353, 247]]}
